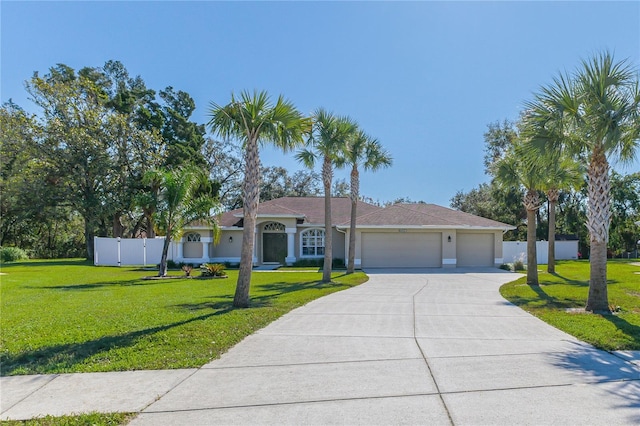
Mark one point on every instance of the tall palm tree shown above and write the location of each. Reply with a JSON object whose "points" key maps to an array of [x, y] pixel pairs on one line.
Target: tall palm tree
{"points": [[327, 141], [178, 205], [594, 116], [515, 170], [255, 120], [361, 150], [559, 174]]}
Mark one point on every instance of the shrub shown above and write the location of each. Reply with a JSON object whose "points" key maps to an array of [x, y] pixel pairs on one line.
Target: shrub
{"points": [[12, 254], [212, 269], [518, 264], [505, 266], [319, 263], [171, 264], [187, 270]]}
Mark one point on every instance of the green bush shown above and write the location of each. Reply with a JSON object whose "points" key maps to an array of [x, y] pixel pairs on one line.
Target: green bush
{"points": [[12, 254], [212, 269], [319, 263]]}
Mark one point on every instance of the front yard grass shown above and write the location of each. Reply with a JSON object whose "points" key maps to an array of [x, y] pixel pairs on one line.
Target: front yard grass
{"points": [[91, 419], [561, 297], [70, 316]]}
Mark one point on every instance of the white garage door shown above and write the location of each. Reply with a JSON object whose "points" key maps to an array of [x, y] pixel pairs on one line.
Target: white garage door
{"points": [[402, 250], [474, 249]]}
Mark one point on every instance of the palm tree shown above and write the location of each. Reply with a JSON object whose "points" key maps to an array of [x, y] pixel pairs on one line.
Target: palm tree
{"points": [[560, 173], [255, 120], [179, 205], [327, 141], [593, 116], [361, 150], [515, 170]]}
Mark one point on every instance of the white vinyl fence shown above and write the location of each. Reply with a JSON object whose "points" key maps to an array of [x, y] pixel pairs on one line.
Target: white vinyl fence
{"points": [[515, 250], [129, 251]]}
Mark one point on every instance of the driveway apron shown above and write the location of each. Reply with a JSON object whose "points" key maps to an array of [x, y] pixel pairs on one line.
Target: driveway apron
{"points": [[408, 347]]}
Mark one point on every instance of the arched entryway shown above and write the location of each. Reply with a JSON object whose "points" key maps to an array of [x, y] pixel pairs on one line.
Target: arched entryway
{"points": [[274, 243]]}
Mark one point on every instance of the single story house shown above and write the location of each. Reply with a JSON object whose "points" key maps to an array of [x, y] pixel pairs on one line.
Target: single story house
{"points": [[400, 235]]}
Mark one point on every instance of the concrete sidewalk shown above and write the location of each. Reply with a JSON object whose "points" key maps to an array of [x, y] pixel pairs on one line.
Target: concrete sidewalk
{"points": [[436, 347]]}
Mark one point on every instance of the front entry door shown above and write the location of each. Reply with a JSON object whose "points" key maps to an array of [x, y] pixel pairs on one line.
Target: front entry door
{"points": [[274, 247]]}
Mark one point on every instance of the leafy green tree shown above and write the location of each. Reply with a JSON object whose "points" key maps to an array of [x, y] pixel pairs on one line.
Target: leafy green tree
{"points": [[592, 115], [254, 119], [361, 151], [224, 162], [75, 140], [495, 202], [277, 183], [327, 142], [184, 139], [180, 205], [625, 203], [499, 139]]}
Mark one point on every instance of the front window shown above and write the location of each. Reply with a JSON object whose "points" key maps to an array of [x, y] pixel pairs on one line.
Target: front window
{"points": [[193, 237], [313, 242]]}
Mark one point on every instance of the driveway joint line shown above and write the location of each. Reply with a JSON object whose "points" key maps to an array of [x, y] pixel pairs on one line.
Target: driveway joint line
{"points": [[311, 401], [424, 357], [295, 364], [159, 396], [55, 376]]}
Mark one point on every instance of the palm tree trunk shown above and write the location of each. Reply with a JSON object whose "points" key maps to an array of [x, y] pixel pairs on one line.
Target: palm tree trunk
{"points": [[327, 177], [355, 192], [598, 220], [531, 204], [251, 197], [551, 259], [532, 260], [162, 272]]}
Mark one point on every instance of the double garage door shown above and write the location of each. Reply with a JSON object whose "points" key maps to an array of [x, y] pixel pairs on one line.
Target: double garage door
{"points": [[424, 250], [401, 250]]}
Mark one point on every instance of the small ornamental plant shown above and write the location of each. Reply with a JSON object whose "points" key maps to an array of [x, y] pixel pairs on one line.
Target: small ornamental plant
{"points": [[187, 270], [212, 270]]}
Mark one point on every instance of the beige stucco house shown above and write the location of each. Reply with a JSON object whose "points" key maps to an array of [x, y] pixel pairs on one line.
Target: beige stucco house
{"points": [[401, 235]]}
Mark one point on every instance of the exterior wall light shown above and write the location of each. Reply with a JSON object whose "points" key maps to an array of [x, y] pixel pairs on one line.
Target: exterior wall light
{"points": [[449, 238], [230, 240]]}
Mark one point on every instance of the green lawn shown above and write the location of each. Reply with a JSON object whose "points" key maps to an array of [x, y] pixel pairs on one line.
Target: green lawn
{"points": [[92, 419], [69, 316], [560, 293]]}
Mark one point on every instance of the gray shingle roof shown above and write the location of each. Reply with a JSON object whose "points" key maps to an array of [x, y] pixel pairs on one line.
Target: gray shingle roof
{"points": [[424, 215], [311, 209]]}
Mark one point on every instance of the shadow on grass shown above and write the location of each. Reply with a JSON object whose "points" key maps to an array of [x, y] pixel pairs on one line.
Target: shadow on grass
{"points": [[277, 290], [544, 300], [581, 283], [93, 286], [617, 380], [630, 330], [39, 263], [62, 357]]}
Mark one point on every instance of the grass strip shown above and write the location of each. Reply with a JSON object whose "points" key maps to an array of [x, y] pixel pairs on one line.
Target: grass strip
{"points": [[561, 297], [90, 419]]}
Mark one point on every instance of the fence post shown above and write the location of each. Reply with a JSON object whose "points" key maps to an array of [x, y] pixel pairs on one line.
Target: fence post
{"points": [[119, 261], [144, 251], [95, 251]]}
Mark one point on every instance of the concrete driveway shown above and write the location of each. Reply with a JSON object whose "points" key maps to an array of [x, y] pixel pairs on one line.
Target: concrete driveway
{"points": [[431, 347], [426, 347]]}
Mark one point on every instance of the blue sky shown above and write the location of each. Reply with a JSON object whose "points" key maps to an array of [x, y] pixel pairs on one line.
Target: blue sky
{"points": [[425, 78]]}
